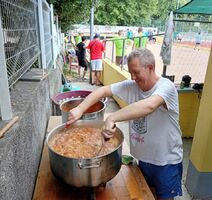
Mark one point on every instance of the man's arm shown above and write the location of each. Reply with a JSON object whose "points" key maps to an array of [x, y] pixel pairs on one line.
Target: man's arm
{"points": [[91, 99], [136, 110]]}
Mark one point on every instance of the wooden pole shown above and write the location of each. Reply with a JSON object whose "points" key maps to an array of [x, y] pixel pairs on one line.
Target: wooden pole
{"points": [[8, 126]]}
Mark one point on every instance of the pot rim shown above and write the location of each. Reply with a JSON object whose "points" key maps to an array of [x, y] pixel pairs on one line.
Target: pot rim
{"points": [[80, 98], [56, 99], [80, 121]]}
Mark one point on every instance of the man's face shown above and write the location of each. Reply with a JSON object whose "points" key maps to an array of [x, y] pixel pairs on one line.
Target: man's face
{"points": [[139, 73]]}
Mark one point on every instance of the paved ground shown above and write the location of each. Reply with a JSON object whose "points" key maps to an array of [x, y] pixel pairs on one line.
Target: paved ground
{"points": [[184, 61]]}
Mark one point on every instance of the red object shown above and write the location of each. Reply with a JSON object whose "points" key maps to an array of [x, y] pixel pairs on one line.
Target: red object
{"points": [[96, 49], [67, 125]]}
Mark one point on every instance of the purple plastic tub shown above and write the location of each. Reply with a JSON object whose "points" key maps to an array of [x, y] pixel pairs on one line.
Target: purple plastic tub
{"points": [[65, 96]]}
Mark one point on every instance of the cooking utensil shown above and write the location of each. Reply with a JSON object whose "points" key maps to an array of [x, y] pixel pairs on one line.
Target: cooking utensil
{"points": [[96, 111], [103, 141], [86, 172], [67, 125], [103, 144], [65, 96]]}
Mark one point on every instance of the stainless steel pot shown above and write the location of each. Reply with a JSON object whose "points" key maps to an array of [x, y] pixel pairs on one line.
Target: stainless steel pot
{"points": [[95, 112], [86, 172]]}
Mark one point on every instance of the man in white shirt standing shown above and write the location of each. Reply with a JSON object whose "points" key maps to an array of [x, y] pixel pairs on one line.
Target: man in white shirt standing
{"points": [[153, 115]]}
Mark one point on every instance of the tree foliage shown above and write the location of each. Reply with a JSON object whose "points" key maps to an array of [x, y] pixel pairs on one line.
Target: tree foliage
{"points": [[113, 12], [71, 11], [125, 12]]}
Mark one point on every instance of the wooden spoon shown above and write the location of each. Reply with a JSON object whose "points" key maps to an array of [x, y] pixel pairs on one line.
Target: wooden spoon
{"points": [[103, 141]]}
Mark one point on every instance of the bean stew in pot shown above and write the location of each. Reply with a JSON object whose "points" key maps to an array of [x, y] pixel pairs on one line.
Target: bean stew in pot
{"points": [[83, 142]]}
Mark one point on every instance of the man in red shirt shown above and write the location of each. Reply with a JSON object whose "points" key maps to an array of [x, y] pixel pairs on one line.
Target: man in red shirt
{"points": [[96, 49]]}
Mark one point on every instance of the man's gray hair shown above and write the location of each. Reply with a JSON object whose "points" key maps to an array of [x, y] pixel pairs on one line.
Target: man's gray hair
{"points": [[144, 55]]}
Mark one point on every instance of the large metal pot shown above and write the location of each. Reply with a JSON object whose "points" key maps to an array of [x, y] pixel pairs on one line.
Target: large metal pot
{"points": [[86, 172], [94, 112]]}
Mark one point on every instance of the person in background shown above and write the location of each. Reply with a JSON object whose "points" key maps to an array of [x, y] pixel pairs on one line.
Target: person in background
{"points": [[150, 35], [140, 42], [66, 40], [96, 48], [179, 37], [121, 57], [78, 38], [82, 57], [71, 56], [198, 41], [153, 115], [129, 34]]}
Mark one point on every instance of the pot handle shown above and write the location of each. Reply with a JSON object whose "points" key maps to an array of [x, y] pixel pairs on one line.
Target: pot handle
{"points": [[94, 163], [89, 116]]}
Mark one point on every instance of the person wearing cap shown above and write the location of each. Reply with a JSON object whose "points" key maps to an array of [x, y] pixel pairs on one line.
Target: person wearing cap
{"points": [[96, 48]]}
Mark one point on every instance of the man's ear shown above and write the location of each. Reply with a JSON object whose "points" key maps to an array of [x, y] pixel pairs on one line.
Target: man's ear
{"points": [[150, 66]]}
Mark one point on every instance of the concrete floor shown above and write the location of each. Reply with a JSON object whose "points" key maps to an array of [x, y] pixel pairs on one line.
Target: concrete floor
{"points": [[112, 106]]}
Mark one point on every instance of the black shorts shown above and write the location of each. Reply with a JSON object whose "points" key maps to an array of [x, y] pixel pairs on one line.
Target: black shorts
{"points": [[77, 52], [83, 63]]}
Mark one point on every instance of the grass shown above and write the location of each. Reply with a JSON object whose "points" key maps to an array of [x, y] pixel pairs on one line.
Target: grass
{"points": [[69, 73]]}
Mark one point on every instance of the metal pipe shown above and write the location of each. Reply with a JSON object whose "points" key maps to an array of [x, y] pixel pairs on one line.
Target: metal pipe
{"points": [[113, 52], [123, 49], [41, 35], [92, 22], [5, 102]]}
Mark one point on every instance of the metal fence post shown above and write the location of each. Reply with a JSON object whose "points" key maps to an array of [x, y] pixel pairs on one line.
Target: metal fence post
{"points": [[113, 52], [41, 34], [5, 103], [58, 35], [53, 39], [123, 56]]}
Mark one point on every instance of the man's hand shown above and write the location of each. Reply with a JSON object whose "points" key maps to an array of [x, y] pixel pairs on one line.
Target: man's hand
{"points": [[74, 115], [109, 128]]}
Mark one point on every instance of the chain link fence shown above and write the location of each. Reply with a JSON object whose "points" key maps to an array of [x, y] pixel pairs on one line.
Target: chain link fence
{"points": [[186, 57], [29, 38], [20, 27], [20, 36]]}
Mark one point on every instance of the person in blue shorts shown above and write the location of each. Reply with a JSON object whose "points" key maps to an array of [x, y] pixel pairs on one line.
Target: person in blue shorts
{"points": [[197, 41], [153, 115]]}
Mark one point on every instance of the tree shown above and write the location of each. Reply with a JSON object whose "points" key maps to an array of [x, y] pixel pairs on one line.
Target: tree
{"points": [[125, 12], [114, 12], [71, 11]]}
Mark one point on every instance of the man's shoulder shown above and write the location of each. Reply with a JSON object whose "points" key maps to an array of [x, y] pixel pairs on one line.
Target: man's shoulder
{"points": [[126, 83], [165, 83]]}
